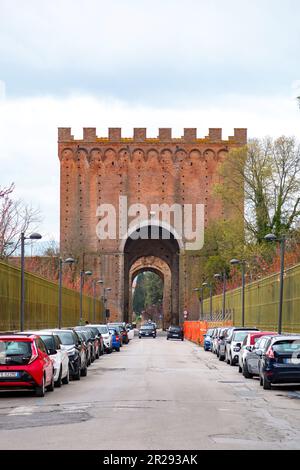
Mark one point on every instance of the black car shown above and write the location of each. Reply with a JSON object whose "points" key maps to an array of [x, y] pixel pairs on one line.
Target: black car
{"points": [[147, 331], [251, 361], [280, 361], [175, 332], [76, 352]]}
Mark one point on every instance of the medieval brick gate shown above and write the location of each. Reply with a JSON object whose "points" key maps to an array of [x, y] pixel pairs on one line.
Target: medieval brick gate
{"points": [[126, 173]]}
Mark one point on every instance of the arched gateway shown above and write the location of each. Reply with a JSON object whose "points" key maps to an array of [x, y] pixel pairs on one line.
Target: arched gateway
{"points": [[135, 204]]}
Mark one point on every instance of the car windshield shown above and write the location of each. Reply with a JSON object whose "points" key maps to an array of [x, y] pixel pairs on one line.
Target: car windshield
{"points": [[103, 330], [287, 346], [239, 335], [147, 327], [67, 338], [49, 341], [175, 328], [14, 352]]}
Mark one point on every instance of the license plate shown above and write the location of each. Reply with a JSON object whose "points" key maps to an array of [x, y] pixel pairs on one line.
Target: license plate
{"points": [[8, 375], [147, 334], [176, 335]]}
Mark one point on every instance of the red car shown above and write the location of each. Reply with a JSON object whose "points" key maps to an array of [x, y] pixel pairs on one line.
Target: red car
{"points": [[25, 364]]}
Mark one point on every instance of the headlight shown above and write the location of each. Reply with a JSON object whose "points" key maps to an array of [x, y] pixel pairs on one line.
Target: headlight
{"points": [[236, 349], [72, 352]]}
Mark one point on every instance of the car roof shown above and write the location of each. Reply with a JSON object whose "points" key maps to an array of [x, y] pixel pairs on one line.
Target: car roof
{"points": [[280, 337], [262, 333], [19, 337], [39, 332]]}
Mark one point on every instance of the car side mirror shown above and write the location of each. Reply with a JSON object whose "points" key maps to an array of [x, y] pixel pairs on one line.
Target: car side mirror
{"points": [[51, 352], [258, 352], [238, 345], [249, 348], [221, 337]]}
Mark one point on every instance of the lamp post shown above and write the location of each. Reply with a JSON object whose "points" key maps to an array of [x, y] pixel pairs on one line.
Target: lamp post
{"points": [[200, 290], [270, 237], [242, 263], [95, 282], [60, 269], [33, 236], [82, 274], [222, 277], [210, 286], [105, 289]]}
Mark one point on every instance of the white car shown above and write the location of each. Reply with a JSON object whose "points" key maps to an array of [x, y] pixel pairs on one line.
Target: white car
{"points": [[107, 337], [59, 356], [234, 343]]}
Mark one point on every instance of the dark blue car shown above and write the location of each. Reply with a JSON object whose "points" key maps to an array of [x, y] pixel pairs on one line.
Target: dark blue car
{"points": [[208, 340], [116, 343], [279, 361]]}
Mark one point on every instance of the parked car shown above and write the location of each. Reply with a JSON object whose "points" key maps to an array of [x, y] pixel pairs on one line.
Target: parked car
{"points": [[76, 352], [147, 330], [215, 340], [251, 361], [107, 339], [58, 356], [248, 344], [25, 364], [279, 361], [122, 327], [115, 335], [233, 342], [221, 343], [175, 332], [208, 340], [118, 331], [96, 338], [86, 344]]}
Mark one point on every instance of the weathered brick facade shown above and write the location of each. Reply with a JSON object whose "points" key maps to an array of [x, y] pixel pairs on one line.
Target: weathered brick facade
{"points": [[159, 170]]}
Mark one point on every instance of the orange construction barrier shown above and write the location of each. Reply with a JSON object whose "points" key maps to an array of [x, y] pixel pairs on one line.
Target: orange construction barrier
{"points": [[195, 330]]}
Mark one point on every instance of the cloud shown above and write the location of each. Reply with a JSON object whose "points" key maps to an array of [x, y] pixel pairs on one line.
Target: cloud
{"points": [[28, 129], [166, 50]]}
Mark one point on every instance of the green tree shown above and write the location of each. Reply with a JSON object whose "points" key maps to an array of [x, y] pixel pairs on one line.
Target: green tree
{"points": [[265, 174]]}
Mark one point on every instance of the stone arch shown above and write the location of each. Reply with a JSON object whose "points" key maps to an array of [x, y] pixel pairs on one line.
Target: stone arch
{"points": [[67, 154], [160, 267], [137, 154]]}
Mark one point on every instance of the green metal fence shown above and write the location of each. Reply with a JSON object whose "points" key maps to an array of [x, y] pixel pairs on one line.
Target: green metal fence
{"points": [[41, 302], [261, 303]]}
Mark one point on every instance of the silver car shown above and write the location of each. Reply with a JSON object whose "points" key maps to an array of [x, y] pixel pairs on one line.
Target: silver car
{"points": [[107, 337]]}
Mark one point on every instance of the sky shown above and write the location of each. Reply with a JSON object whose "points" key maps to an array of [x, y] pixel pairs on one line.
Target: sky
{"points": [[145, 63]]}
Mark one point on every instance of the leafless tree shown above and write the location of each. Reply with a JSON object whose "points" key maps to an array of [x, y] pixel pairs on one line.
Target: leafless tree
{"points": [[15, 217]]}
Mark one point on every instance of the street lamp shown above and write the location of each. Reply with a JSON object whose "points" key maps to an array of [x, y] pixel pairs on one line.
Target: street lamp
{"points": [[82, 274], [270, 237], [33, 236], [200, 290], [106, 289], [95, 282], [241, 263], [222, 277], [68, 261], [210, 286]]}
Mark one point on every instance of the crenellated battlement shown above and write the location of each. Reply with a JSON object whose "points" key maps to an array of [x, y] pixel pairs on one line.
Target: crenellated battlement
{"points": [[164, 135]]}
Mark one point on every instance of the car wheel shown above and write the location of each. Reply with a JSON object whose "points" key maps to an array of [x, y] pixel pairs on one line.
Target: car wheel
{"points": [[117, 349], [140, 337], [97, 355], [66, 379], [221, 358], [83, 371], [246, 372], [240, 369], [40, 391], [217, 353], [50, 387], [58, 383], [167, 337], [266, 384], [182, 339], [231, 360], [227, 358], [260, 381]]}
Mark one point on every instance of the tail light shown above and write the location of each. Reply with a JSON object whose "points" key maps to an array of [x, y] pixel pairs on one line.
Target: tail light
{"points": [[270, 353], [117, 338], [34, 353]]}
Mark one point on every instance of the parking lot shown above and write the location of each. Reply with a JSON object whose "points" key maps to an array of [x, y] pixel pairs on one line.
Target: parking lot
{"points": [[154, 394]]}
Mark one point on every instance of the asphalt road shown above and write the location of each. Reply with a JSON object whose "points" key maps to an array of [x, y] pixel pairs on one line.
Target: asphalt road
{"points": [[154, 394]]}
